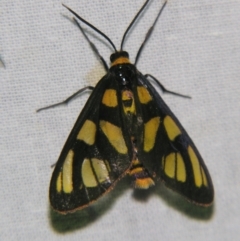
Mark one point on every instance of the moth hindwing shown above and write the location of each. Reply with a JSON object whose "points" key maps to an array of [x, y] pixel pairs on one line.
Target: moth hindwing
{"points": [[126, 128]]}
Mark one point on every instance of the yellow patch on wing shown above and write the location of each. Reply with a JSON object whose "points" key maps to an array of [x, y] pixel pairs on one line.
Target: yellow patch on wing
{"points": [[143, 95], [87, 132], [87, 173], [174, 166], [59, 182], [205, 183], [181, 169], [107, 165], [196, 167], [150, 132], [114, 135], [110, 98], [94, 171], [101, 170], [171, 128], [67, 172], [169, 165]]}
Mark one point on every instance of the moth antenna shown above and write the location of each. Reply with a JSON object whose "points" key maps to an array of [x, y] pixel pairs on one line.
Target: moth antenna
{"points": [[92, 45], [91, 26], [149, 32], [131, 24]]}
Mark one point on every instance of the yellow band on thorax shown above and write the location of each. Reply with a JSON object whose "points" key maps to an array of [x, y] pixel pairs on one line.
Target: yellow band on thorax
{"points": [[121, 60]]}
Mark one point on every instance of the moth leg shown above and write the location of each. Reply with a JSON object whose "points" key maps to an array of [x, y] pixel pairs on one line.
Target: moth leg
{"points": [[164, 90], [2, 63], [68, 99]]}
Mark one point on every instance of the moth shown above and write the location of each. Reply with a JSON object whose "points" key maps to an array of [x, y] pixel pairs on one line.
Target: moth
{"points": [[124, 129]]}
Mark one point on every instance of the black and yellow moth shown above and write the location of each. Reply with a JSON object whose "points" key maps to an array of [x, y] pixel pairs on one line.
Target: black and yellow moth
{"points": [[124, 129]]}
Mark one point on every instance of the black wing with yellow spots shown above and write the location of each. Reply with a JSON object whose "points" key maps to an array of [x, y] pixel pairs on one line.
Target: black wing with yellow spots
{"points": [[96, 153], [167, 151]]}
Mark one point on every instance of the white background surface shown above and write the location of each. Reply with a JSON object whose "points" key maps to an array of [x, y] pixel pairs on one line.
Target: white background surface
{"points": [[194, 50]]}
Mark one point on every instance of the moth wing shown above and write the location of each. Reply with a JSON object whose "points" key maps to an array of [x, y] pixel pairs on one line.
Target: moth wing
{"points": [[167, 151], [95, 155]]}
